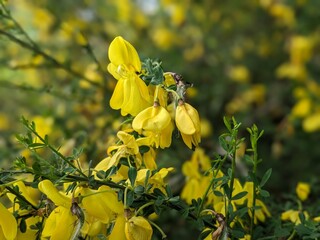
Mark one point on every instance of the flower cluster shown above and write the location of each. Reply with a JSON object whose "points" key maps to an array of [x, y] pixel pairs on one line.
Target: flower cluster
{"points": [[154, 116], [199, 175], [110, 199]]}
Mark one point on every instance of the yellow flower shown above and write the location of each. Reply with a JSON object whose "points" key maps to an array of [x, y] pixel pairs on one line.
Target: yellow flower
{"points": [[61, 214], [156, 123], [303, 190], [188, 122], [157, 180], [311, 123], [101, 204], [138, 228], [154, 118], [262, 212], [129, 147], [293, 216], [8, 224], [131, 94], [239, 74], [302, 108], [118, 232]]}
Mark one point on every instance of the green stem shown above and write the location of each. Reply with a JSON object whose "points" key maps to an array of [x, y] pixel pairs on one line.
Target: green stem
{"points": [[54, 61], [233, 169], [20, 197], [204, 196], [54, 150], [292, 235], [163, 235], [254, 192], [144, 206]]}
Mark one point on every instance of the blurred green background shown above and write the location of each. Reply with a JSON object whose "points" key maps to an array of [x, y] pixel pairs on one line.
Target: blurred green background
{"points": [[257, 60]]}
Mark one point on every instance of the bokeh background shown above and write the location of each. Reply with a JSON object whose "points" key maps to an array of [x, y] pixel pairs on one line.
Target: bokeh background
{"points": [[257, 60]]}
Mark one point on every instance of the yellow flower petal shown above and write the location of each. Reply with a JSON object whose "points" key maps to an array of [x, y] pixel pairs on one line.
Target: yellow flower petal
{"points": [[8, 224], [138, 228], [101, 203], [122, 52], [53, 194], [183, 120], [118, 232], [117, 98], [60, 224]]}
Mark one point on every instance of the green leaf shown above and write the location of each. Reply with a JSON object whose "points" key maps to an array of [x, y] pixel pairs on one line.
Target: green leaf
{"points": [[224, 143], [264, 193], [101, 174], [130, 198], [227, 124], [204, 234], [281, 232], [36, 145], [132, 175], [239, 195], [23, 225], [144, 149], [236, 233], [218, 193], [184, 212], [266, 177], [168, 191], [139, 189], [303, 230], [174, 199]]}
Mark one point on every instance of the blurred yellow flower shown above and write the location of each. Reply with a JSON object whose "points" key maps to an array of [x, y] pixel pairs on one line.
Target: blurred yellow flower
{"points": [[312, 122], [4, 122], [44, 125], [131, 94], [239, 73], [302, 108], [303, 190], [293, 71], [293, 216], [300, 49], [283, 13], [260, 214], [163, 37]]}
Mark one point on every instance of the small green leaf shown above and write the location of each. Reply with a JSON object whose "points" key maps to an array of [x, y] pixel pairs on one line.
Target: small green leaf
{"points": [[266, 177], [101, 174], [264, 193], [239, 195], [218, 193], [236, 233], [23, 225], [130, 198], [132, 175], [139, 189]]}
